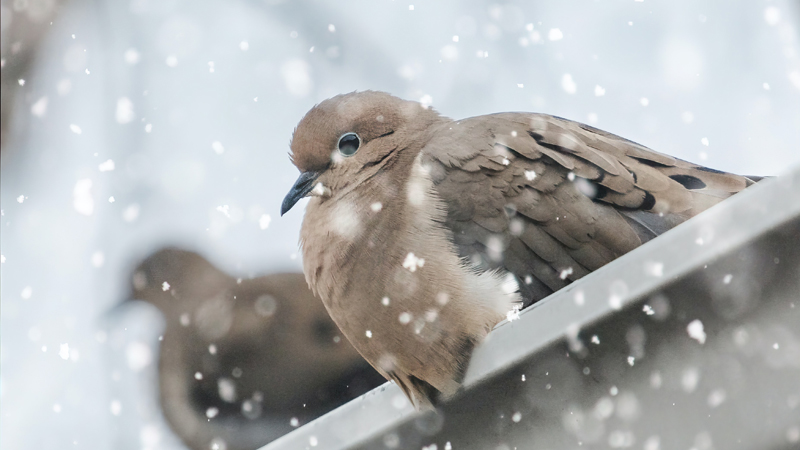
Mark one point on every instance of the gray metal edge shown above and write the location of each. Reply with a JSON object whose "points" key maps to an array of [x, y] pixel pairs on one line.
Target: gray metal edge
{"points": [[715, 232]]}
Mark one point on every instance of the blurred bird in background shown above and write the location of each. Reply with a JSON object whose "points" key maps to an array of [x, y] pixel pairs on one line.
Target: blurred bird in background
{"points": [[416, 218], [242, 362]]}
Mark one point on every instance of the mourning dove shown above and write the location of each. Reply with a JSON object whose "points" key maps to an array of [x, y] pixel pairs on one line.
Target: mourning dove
{"points": [[416, 222], [240, 358]]}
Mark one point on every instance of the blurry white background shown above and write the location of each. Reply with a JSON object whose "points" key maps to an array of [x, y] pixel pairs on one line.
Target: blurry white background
{"points": [[144, 123]]}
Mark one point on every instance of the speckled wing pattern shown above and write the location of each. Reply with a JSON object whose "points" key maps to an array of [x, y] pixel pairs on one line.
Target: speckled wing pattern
{"points": [[551, 200]]}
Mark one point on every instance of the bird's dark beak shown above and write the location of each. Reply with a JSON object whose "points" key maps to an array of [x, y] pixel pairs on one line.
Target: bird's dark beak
{"points": [[303, 185]]}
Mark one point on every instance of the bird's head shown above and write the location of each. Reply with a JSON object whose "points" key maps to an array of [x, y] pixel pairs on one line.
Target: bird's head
{"points": [[348, 138]]}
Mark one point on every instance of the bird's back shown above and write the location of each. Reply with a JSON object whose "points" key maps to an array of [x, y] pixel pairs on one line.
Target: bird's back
{"points": [[552, 200]]}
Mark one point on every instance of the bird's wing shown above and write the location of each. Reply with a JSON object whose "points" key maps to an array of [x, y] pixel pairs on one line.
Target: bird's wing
{"points": [[551, 200]]}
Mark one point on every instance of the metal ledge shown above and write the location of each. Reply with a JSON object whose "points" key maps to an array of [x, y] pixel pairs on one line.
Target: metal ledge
{"points": [[611, 361]]}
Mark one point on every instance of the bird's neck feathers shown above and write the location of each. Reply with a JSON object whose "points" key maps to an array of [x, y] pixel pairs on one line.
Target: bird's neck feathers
{"points": [[412, 294], [368, 206]]}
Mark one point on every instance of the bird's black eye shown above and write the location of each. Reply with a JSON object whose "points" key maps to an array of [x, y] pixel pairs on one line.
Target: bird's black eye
{"points": [[348, 144]]}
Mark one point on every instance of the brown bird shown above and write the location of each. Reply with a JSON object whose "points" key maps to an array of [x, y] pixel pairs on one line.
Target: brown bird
{"points": [[240, 358], [419, 225]]}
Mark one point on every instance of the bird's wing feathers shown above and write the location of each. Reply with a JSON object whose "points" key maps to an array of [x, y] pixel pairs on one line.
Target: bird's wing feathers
{"points": [[552, 200]]}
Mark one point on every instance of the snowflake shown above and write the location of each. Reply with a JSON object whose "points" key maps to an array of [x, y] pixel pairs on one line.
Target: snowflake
{"points": [[39, 108], [217, 147], [263, 221], [599, 91], [124, 113], [132, 56], [405, 318], [514, 313], [224, 209], [568, 84], [654, 269], [696, 332], [107, 166], [412, 262], [63, 351]]}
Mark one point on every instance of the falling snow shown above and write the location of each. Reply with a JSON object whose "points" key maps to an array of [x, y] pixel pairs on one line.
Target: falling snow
{"points": [[297, 77], [82, 199], [98, 259], [579, 297], [225, 210], [138, 355], [727, 279], [130, 213], [412, 262], [772, 15], [264, 221], [63, 351], [115, 407], [124, 113], [696, 332], [39, 108], [654, 269], [132, 56], [513, 314], [599, 91], [675, 102], [689, 379], [568, 84], [217, 147], [106, 166], [716, 397]]}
